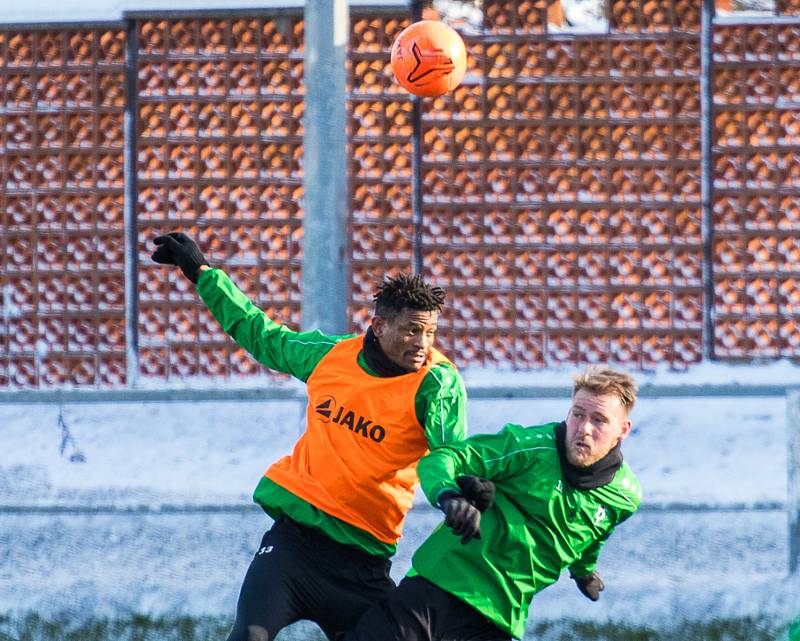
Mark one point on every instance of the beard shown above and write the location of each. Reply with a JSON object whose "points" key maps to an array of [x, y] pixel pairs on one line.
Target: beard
{"points": [[580, 454]]}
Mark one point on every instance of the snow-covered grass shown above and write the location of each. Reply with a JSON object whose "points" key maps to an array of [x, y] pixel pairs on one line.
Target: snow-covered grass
{"points": [[663, 569], [688, 450], [144, 628]]}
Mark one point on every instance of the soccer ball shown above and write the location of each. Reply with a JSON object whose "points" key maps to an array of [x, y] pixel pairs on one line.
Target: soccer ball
{"points": [[429, 58]]}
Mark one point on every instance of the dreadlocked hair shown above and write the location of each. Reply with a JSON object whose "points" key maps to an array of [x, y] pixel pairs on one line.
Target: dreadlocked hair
{"points": [[407, 292]]}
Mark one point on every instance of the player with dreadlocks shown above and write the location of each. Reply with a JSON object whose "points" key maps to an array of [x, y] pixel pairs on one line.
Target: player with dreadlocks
{"points": [[377, 402]]}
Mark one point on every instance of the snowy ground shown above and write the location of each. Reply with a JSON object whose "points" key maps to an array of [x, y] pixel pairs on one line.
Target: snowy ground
{"points": [[661, 566], [658, 567], [711, 451]]}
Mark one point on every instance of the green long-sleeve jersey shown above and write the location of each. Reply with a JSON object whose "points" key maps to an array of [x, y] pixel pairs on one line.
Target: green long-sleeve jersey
{"points": [[440, 401], [538, 525]]}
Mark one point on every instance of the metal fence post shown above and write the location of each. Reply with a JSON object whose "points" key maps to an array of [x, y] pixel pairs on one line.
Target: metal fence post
{"points": [[416, 161], [707, 171], [129, 208], [793, 476]]}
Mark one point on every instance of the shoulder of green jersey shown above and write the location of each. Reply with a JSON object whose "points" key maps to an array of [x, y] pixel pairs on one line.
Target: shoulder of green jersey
{"points": [[446, 366], [445, 375], [627, 486], [525, 433], [526, 440]]}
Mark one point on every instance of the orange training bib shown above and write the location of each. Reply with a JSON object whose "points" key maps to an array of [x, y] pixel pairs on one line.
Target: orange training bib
{"points": [[357, 459]]}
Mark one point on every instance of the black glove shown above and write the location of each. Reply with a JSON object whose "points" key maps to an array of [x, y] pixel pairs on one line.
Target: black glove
{"points": [[461, 516], [176, 248], [478, 491], [590, 585]]}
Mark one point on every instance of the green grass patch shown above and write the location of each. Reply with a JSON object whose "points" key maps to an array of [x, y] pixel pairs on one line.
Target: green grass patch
{"points": [[743, 629], [794, 630], [32, 627]]}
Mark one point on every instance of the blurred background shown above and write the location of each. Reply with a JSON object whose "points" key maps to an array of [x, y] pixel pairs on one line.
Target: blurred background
{"points": [[613, 181]]}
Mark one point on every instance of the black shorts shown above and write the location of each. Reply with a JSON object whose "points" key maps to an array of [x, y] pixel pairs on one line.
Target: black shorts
{"points": [[420, 611], [300, 573]]}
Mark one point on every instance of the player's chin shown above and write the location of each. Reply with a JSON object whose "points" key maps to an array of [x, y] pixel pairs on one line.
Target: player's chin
{"points": [[414, 363], [579, 456]]}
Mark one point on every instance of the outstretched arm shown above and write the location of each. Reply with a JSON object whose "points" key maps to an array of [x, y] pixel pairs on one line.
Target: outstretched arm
{"points": [[457, 477], [489, 456], [271, 344]]}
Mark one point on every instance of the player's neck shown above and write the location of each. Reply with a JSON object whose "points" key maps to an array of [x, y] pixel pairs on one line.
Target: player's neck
{"points": [[593, 476], [376, 358]]}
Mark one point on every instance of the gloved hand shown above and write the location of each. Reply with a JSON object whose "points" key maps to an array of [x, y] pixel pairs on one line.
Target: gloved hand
{"points": [[590, 585], [478, 491], [461, 516], [176, 248]]}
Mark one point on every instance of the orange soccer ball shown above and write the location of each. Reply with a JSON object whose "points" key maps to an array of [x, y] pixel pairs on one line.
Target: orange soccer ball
{"points": [[429, 58]]}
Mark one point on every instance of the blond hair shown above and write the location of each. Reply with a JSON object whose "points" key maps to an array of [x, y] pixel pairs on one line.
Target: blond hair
{"points": [[600, 379]]}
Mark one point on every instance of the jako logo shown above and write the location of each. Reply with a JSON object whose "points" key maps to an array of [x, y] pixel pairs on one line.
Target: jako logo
{"points": [[325, 408], [328, 411]]}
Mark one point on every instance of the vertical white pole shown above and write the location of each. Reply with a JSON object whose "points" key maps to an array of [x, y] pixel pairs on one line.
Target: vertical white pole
{"points": [[326, 260]]}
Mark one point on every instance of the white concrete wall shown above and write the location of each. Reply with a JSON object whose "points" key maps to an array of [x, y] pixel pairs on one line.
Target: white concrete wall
{"points": [[46, 11]]}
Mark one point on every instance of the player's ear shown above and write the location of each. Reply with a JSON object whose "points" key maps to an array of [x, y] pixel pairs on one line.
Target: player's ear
{"points": [[378, 325], [626, 429]]}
